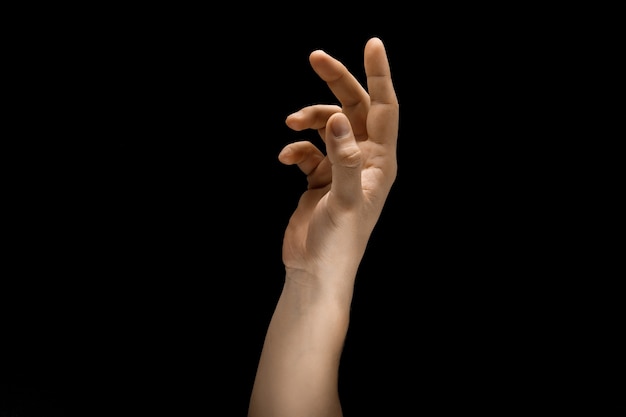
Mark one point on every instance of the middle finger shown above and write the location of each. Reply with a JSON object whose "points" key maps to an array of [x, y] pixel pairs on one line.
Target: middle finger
{"points": [[353, 97]]}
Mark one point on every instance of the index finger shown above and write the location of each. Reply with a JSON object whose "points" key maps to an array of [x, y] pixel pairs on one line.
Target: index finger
{"points": [[382, 122]]}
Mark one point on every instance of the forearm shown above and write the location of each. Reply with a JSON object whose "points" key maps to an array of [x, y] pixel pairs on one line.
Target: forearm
{"points": [[299, 364]]}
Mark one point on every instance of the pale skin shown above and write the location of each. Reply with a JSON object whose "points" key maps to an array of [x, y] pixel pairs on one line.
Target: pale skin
{"points": [[327, 235]]}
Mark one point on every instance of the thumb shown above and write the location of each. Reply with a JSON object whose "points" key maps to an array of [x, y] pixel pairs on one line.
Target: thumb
{"points": [[346, 159]]}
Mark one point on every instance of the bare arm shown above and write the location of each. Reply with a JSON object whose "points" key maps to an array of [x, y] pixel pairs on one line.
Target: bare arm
{"points": [[327, 236]]}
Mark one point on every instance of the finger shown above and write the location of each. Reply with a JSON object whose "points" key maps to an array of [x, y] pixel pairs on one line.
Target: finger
{"points": [[304, 154], [346, 159], [350, 93], [382, 123], [311, 117]]}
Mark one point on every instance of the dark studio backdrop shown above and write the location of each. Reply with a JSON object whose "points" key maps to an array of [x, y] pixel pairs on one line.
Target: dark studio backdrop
{"points": [[149, 205]]}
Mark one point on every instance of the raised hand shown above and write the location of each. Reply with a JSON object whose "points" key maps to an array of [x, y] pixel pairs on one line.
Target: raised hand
{"points": [[326, 236], [348, 186]]}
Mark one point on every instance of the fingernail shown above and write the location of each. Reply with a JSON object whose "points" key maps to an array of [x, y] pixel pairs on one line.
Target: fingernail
{"points": [[340, 126]]}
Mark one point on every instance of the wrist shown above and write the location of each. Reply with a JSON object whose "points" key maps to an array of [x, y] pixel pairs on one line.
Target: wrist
{"points": [[313, 289]]}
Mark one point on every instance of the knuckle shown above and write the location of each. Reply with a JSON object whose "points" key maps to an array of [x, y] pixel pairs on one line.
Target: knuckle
{"points": [[350, 156]]}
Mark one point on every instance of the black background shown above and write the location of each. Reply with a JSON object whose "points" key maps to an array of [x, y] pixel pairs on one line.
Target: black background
{"points": [[147, 207]]}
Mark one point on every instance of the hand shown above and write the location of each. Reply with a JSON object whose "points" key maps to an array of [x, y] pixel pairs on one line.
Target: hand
{"points": [[347, 188]]}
